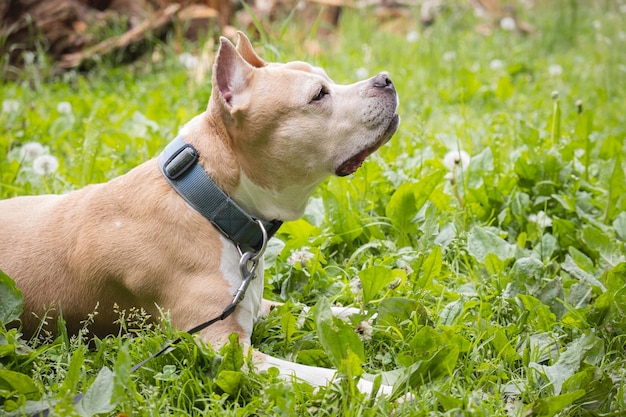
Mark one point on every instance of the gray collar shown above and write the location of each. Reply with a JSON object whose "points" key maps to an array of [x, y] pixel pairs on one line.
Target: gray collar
{"points": [[178, 163]]}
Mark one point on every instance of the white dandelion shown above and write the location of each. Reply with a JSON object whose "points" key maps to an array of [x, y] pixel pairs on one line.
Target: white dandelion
{"points": [[188, 60], [508, 23], [361, 73], [64, 107], [412, 36], [456, 158], [10, 106], [45, 165], [496, 64], [31, 150], [449, 56], [541, 218], [301, 256], [365, 329], [355, 286], [555, 70]]}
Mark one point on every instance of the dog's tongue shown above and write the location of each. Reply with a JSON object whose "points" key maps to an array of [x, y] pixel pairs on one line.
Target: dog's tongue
{"points": [[352, 164]]}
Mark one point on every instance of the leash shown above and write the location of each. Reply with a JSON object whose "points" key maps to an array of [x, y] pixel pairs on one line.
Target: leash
{"points": [[247, 268]]}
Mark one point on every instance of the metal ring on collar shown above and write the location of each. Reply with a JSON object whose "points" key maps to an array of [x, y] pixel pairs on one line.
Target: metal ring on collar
{"points": [[257, 255]]}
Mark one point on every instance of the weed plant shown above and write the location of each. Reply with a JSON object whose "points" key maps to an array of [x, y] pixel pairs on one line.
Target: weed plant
{"points": [[484, 245]]}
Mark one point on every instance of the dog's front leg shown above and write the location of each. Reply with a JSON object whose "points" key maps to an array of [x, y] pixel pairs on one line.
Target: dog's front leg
{"points": [[312, 375]]}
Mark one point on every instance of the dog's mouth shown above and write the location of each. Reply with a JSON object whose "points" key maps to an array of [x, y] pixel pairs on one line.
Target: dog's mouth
{"points": [[353, 163]]}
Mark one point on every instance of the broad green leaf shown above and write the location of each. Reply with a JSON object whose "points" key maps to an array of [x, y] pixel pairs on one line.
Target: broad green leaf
{"points": [[569, 361], [616, 283], [605, 245], [577, 272], [393, 311], [451, 312], [229, 381], [527, 269], [546, 248], [482, 241], [18, 382], [72, 378], [597, 385], [424, 188], [288, 325], [480, 167], [520, 204], [313, 357], [548, 407], [426, 342], [374, 279], [539, 313], [232, 354], [619, 224], [504, 89], [339, 340], [581, 260], [123, 365], [448, 402], [97, 399], [431, 268], [402, 207], [616, 189], [566, 232], [440, 364], [493, 264], [169, 373], [11, 300]]}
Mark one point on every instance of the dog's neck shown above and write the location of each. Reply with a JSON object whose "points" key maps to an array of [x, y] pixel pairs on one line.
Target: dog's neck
{"points": [[286, 204]]}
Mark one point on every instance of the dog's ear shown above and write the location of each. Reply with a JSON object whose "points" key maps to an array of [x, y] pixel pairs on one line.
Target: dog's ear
{"points": [[231, 75], [247, 51]]}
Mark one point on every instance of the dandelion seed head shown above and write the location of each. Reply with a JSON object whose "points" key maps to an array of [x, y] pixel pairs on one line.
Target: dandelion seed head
{"points": [[456, 158], [541, 218], [188, 60], [449, 56], [64, 107], [508, 23], [300, 257], [361, 73], [355, 285], [496, 64], [412, 36], [365, 329], [31, 150], [555, 70], [45, 165], [10, 106]]}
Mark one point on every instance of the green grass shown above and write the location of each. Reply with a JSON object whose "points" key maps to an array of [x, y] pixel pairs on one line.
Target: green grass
{"points": [[501, 294]]}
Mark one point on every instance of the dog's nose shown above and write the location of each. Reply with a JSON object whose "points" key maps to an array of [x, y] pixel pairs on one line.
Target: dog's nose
{"points": [[382, 80]]}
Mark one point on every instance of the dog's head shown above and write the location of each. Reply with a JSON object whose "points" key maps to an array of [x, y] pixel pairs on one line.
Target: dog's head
{"points": [[290, 125]]}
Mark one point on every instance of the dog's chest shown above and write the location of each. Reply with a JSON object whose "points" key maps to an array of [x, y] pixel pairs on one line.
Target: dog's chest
{"points": [[249, 308]]}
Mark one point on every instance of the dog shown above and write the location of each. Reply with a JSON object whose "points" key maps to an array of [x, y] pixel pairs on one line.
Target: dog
{"points": [[271, 133]]}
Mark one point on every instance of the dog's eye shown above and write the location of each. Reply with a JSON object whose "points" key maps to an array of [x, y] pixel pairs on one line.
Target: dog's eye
{"points": [[323, 92]]}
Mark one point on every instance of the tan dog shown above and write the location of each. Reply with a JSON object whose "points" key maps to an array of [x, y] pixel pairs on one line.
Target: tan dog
{"points": [[270, 135]]}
